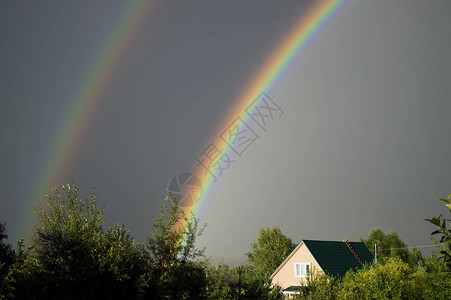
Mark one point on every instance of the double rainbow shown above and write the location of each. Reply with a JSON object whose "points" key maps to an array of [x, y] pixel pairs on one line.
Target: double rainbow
{"points": [[89, 96]]}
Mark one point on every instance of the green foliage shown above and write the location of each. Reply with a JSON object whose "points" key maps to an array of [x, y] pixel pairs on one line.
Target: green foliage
{"points": [[444, 233], [434, 263], [177, 264], [438, 285], [123, 263], [73, 258], [319, 286], [415, 257], [220, 281], [389, 244], [238, 283], [393, 279], [256, 287], [7, 259], [7, 254], [269, 251]]}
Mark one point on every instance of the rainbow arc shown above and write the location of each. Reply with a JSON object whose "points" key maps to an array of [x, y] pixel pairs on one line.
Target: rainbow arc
{"points": [[89, 96]]}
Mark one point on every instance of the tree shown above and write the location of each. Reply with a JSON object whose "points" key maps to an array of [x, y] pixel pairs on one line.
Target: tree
{"points": [[415, 257], [7, 259], [72, 257], [7, 254], [392, 279], [389, 244], [444, 232], [319, 286], [220, 280], [238, 283], [254, 286], [177, 264], [269, 251]]}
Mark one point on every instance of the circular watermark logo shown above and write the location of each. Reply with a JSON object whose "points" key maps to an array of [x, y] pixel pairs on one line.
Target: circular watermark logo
{"points": [[186, 188]]}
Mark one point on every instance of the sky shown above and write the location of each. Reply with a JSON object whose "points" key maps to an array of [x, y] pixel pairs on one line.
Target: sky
{"points": [[363, 140]]}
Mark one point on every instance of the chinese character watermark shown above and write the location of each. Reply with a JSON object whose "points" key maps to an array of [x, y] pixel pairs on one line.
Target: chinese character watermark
{"points": [[263, 110], [239, 136], [186, 188], [214, 160]]}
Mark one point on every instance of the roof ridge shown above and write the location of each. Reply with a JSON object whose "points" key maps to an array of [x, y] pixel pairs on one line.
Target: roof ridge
{"points": [[328, 241]]}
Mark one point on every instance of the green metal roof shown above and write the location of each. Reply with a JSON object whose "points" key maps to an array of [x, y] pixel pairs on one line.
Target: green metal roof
{"points": [[335, 258]]}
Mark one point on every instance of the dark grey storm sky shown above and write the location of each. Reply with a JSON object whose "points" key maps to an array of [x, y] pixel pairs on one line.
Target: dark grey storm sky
{"points": [[364, 141]]}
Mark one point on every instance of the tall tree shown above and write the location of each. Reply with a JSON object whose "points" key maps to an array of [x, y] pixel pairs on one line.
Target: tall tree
{"points": [[269, 251], [72, 257], [178, 267], [7, 259], [389, 244], [7, 254]]}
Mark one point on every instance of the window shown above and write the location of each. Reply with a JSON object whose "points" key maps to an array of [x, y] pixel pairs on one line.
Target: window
{"points": [[301, 269]]}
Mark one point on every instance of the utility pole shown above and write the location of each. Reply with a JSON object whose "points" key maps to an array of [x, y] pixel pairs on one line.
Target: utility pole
{"points": [[375, 253]]}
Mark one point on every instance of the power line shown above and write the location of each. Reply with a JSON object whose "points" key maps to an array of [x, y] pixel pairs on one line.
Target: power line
{"points": [[420, 246]]}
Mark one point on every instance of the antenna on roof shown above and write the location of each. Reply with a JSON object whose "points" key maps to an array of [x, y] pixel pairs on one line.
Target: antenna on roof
{"points": [[346, 240]]}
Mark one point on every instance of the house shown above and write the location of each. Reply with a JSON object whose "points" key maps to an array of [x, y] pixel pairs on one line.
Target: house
{"points": [[331, 257]]}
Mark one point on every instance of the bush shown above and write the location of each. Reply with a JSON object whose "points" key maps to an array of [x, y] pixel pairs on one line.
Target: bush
{"points": [[392, 279]]}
